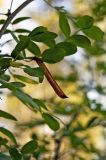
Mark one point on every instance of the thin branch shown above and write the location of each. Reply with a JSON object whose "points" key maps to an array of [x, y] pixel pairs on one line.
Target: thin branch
{"points": [[12, 15], [49, 4], [3, 14], [57, 149], [59, 141], [11, 5]]}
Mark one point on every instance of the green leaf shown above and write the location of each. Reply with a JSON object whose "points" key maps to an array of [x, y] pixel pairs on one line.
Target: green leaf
{"points": [[80, 41], [68, 47], [35, 72], [49, 43], [51, 121], [85, 22], [15, 155], [5, 77], [25, 79], [20, 19], [92, 122], [38, 30], [40, 34], [27, 100], [73, 77], [40, 103], [8, 134], [21, 30], [76, 141], [95, 33], [13, 85], [79, 128], [17, 84], [7, 31], [96, 50], [4, 62], [3, 141], [29, 147], [101, 66], [15, 64], [7, 85], [22, 44], [99, 10], [44, 37], [34, 49], [53, 55], [4, 157], [2, 21], [63, 23], [7, 115]]}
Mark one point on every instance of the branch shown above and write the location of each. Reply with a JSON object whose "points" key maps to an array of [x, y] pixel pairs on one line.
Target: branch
{"points": [[50, 79], [57, 149], [12, 15]]}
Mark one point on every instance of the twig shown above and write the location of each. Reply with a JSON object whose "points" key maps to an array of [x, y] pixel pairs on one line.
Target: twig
{"points": [[11, 5], [49, 4], [12, 15], [58, 142], [57, 149], [3, 14]]}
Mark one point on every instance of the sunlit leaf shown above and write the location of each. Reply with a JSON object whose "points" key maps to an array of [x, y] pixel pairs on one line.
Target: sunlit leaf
{"points": [[15, 64]]}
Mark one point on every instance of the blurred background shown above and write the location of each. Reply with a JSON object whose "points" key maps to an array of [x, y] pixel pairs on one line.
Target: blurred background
{"points": [[82, 76]]}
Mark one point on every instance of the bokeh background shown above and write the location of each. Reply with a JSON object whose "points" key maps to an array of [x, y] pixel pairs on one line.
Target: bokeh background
{"points": [[82, 77]]}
